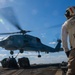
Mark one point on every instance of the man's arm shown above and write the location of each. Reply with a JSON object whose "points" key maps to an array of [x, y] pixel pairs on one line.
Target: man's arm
{"points": [[64, 40]]}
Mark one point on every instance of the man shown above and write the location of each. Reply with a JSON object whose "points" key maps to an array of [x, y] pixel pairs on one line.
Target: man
{"points": [[68, 38]]}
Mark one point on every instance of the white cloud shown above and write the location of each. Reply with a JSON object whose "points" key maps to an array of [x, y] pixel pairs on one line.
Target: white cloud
{"points": [[49, 59], [26, 54], [52, 42], [3, 50], [3, 55]]}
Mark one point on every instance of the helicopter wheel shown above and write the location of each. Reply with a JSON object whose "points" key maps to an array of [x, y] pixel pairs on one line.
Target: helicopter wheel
{"points": [[21, 50], [39, 56], [11, 52]]}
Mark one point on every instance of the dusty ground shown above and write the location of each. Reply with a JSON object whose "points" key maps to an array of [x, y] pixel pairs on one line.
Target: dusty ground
{"points": [[32, 71]]}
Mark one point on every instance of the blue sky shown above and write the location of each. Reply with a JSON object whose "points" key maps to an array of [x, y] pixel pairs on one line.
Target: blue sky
{"points": [[38, 16]]}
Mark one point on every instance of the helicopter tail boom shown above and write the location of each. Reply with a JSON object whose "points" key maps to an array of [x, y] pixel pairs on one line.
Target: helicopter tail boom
{"points": [[58, 46]]}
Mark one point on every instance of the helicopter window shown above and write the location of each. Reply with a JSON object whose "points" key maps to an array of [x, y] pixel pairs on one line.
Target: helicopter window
{"points": [[11, 38], [4, 38]]}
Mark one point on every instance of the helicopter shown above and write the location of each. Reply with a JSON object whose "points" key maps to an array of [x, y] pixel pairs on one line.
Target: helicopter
{"points": [[21, 40]]}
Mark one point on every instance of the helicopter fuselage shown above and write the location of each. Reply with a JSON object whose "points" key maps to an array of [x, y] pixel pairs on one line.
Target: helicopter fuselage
{"points": [[27, 43], [15, 42]]}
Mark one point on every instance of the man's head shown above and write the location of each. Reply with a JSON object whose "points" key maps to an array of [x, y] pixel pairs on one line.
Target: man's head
{"points": [[70, 12]]}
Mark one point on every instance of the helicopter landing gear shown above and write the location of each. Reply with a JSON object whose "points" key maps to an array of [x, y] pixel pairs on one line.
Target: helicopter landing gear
{"points": [[21, 50], [11, 52], [39, 55]]}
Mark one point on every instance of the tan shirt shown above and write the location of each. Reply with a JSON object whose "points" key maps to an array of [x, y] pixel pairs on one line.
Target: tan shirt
{"points": [[68, 31]]}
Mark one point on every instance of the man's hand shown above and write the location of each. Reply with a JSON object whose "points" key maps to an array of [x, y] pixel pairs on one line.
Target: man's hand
{"points": [[67, 53]]}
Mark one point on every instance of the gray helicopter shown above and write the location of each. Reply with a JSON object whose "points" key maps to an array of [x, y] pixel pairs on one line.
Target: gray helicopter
{"points": [[21, 40]]}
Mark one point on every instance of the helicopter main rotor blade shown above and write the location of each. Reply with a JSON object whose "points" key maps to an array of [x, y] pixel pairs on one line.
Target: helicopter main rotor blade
{"points": [[9, 14], [23, 31], [9, 33]]}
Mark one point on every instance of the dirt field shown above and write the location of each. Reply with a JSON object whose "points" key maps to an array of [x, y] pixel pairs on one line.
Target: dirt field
{"points": [[32, 71]]}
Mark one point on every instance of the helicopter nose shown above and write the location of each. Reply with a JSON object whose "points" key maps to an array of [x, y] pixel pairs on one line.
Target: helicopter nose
{"points": [[2, 43]]}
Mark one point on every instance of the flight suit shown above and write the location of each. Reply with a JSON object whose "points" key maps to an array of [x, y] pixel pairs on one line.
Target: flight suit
{"points": [[68, 42]]}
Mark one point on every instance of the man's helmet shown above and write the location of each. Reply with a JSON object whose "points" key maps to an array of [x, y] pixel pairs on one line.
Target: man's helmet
{"points": [[70, 11]]}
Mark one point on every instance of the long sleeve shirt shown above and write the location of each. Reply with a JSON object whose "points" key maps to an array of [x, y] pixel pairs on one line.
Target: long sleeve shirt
{"points": [[68, 30], [64, 37]]}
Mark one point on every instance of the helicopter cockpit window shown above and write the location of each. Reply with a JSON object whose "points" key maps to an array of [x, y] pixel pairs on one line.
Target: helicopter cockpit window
{"points": [[4, 38], [11, 38]]}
